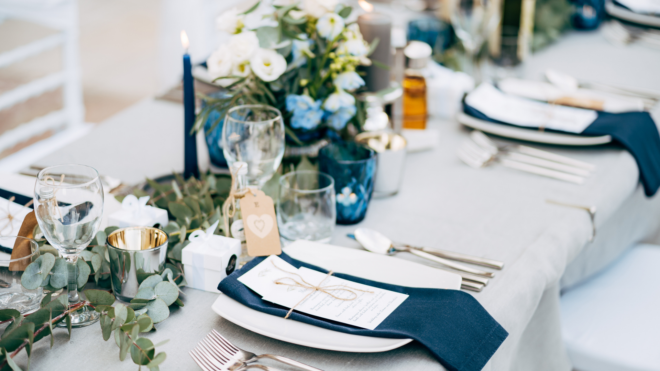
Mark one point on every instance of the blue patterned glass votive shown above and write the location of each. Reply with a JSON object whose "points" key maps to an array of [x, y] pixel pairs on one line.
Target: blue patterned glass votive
{"points": [[214, 137], [353, 168]]}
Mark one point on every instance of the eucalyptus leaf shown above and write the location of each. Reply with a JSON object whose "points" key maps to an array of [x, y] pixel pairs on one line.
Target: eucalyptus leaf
{"points": [[176, 190], [10, 362], [101, 238], [180, 210], [157, 360], [37, 271], [106, 327], [146, 293], [145, 322], [167, 273], [59, 274], [99, 297], [124, 345], [162, 343], [86, 255], [167, 291], [111, 229], [13, 339], [83, 273], [145, 353], [345, 12], [6, 314], [268, 36], [97, 262], [171, 228], [68, 324], [158, 310], [121, 313]]}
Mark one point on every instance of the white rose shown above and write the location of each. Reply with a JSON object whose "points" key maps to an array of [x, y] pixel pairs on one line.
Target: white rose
{"points": [[220, 63], [317, 8], [267, 64], [242, 46], [230, 21]]}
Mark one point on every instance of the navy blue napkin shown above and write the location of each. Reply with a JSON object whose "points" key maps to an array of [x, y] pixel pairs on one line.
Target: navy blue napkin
{"points": [[19, 198], [635, 131], [457, 330]]}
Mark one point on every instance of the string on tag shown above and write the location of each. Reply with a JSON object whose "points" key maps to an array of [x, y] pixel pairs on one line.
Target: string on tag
{"points": [[9, 217], [229, 206], [320, 288]]}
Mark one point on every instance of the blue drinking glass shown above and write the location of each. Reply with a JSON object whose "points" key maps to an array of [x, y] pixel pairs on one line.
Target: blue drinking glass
{"points": [[432, 31], [214, 137], [353, 167]]}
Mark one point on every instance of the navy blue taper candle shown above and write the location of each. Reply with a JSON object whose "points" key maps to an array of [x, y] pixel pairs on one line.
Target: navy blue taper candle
{"points": [[190, 166]]}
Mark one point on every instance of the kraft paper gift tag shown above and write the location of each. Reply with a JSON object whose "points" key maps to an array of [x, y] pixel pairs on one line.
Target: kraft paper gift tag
{"points": [[22, 248], [260, 225]]}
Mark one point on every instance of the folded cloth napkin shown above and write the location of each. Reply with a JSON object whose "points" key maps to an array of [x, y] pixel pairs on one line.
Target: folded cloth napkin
{"points": [[19, 198], [635, 131], [457, 330]]}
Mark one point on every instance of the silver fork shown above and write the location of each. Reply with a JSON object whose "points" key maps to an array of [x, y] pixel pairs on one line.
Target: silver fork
{"points": [[233, 352], [210, 361], [477, 157]]}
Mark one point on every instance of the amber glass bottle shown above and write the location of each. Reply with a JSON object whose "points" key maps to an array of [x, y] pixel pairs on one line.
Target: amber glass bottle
{"points": [[414, 86], [414, 100]]}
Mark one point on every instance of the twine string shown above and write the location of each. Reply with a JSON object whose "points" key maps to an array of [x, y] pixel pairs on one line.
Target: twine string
{"points": [[229, 206], [320, 288]]}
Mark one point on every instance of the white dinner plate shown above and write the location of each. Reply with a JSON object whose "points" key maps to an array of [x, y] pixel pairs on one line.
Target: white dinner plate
{"points": [[341, 260], [625, 14], [530, 135]]}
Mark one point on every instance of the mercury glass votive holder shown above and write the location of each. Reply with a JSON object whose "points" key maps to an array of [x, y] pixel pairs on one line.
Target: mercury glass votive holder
{"points": [[135, 252], [12, 293], [353, 167]]}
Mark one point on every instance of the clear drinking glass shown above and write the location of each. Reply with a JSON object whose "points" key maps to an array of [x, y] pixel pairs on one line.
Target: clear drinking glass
{"points": [[473, 21], [254, 134], [68, 204], [12, 293], [306, 206]]}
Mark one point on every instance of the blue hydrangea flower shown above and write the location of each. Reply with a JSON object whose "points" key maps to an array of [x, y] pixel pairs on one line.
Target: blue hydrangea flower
{"points": [[338, 100], [307, 113], [340, 118], [348, 80]]}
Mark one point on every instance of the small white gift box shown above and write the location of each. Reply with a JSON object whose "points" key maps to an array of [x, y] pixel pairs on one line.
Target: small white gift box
{"points": [[209, 258], [136, 213]]}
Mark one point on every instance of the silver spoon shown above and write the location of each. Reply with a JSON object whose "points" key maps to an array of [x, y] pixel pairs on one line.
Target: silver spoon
{"points": [[375, 242]]}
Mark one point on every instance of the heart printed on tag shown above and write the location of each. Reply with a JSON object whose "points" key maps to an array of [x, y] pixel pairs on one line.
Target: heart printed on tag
{"points": [[260, 225]]}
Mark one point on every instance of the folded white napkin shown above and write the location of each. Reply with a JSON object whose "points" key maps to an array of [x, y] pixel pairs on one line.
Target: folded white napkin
{"points": [[445, 89]]}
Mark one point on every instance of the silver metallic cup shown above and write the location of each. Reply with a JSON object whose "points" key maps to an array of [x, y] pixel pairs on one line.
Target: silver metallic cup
{"points": [[391, 149], [133, 252]]}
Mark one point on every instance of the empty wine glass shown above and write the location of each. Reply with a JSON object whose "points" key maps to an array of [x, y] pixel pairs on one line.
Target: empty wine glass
{"points": [[254, 134], [68, 204], [473, 21]]}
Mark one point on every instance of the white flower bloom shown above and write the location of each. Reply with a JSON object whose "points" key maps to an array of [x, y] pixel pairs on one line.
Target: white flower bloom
{"points": [[317, 8], [330, 26], [296, 14], [241, 69], [338, 100], [230, 21], [284, 2], [242, 46], [220, 63], [348, 80], [267, 64]]}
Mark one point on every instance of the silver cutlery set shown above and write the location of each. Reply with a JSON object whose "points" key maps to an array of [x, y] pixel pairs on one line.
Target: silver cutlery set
{"points": [[473, 279], [479, 151], [215, 353]]}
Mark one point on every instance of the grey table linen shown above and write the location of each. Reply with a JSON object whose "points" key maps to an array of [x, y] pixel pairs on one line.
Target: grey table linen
{"points": [[494, 212]]}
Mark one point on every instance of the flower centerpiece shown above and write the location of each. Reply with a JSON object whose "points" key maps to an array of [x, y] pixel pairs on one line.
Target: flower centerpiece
{"points": [[299, 56]]}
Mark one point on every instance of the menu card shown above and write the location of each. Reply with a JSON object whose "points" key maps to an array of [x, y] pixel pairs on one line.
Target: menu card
{"points": [[363, 306]]}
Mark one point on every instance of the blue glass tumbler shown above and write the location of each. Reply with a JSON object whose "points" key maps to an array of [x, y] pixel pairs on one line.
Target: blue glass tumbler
{"points": [[353, 167]]}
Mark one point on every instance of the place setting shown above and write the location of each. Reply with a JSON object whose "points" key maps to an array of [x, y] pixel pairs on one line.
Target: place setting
{"points": [[359, 185]]}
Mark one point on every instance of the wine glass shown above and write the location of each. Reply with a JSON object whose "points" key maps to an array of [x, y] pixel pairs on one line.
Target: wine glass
{"points": [[473, 21], [68, 204], [254, 134]]}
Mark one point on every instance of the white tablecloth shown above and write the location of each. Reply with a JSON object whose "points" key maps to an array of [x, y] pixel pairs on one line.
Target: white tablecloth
{"points": [[493, 212]]}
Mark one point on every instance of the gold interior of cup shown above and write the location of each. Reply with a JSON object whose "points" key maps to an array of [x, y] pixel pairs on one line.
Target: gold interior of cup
{"points": [[137, 238], [381, 142]]}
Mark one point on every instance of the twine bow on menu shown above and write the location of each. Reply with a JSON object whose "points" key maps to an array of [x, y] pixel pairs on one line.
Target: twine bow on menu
{"points": [[320, 288]]}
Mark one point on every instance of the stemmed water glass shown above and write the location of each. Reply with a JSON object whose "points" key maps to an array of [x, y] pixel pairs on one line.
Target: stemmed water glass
{"points": [[68, 204], [473, 21], [254, 134]]}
